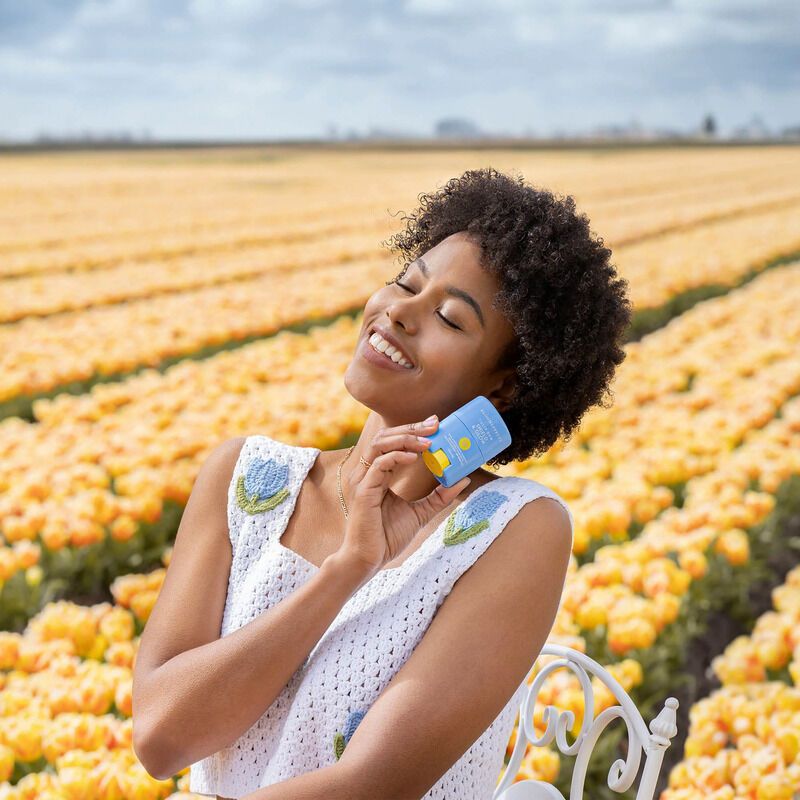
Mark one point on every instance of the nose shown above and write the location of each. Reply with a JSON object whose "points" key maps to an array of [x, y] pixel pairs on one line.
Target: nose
{"points": [[402, 315]]}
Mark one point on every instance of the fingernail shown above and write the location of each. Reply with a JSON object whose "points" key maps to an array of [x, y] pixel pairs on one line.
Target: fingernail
{"points": [[424, 439], [431, 419]]}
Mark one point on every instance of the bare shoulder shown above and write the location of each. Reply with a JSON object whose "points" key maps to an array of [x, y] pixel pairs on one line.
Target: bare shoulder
{"points": [[221, 460], [540, 532], [210, 488]]}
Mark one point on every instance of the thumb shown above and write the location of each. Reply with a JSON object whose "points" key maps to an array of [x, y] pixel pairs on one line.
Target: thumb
{"points": [[429, 506]]}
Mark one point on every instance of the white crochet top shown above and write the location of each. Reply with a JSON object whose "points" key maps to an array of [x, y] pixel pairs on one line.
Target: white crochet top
{"points": [[313, 718]]}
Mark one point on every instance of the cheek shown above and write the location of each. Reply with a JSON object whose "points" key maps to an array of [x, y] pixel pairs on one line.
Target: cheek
{"points": [[452, 356], [370, 304], [471, 366], [375, 304]]}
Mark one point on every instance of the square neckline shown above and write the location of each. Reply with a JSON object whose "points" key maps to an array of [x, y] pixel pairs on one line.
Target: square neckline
{"points": [[281, 547]]}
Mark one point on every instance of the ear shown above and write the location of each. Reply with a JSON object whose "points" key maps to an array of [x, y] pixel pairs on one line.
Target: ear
{"points": [[504, 390]]}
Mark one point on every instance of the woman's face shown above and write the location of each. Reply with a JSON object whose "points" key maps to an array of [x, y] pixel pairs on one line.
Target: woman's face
{"points": [[445, 323]]}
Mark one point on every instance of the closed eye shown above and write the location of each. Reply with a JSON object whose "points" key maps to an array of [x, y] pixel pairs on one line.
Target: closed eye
{"points": [[409, 289]]}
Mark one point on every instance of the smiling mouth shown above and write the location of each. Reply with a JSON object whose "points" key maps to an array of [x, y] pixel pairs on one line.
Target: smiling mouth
{"points": [[401, 360]]}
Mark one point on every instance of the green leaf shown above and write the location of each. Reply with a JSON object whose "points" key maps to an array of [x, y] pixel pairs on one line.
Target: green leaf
{"points": [[338, 745], [251, 504], [452, 536]]}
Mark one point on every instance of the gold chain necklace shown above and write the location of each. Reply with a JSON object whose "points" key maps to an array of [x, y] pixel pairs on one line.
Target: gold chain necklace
{"points": [[339, 480]]}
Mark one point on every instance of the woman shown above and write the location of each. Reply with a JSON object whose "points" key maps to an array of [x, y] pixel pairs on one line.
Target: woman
{"points": [[336, 624]]}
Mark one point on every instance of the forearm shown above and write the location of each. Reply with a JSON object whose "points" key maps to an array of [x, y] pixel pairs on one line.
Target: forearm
{"points": [[333, 782], [220, 690]]}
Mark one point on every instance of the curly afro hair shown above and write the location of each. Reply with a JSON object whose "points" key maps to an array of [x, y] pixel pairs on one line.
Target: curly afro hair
{"points": [[559, 290]]}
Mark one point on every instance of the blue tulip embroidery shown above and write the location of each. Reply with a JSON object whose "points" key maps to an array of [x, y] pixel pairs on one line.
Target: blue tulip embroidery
{"points": [[340, 740], [472, 517], [263, 486]]}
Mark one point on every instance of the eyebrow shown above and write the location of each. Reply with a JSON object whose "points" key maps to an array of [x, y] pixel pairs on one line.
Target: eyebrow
{"points": [[452, 290]]}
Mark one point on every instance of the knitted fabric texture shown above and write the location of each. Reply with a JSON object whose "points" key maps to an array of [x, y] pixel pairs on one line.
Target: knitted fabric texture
{"points": [[310, 722]]}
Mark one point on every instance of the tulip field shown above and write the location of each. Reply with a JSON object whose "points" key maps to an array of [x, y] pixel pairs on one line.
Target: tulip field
{"points": [[154, 303]]}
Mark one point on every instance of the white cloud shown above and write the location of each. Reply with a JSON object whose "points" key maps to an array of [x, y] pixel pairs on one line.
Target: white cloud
{"points": [[199, 68], [104, 12], [434, 7]]}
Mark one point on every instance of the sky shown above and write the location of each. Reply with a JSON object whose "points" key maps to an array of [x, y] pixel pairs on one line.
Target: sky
{"points": [[280, 69]]}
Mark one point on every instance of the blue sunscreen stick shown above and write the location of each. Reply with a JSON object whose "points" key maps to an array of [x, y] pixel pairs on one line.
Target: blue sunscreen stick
{"points": [[465, 440]]}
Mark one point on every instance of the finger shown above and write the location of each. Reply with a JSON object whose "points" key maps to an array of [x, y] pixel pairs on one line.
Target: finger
{"points": [[402, 441], [403, 437], [377, 476], [422, 427], [429, 506], [388, 436], [416, 427]]}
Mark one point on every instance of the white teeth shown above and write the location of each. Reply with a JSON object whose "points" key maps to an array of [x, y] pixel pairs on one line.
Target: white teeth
{"points": [[382, 346]]}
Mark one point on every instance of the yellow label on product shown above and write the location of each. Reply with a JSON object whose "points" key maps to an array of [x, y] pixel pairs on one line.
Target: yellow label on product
{"points": [[437, 462]]}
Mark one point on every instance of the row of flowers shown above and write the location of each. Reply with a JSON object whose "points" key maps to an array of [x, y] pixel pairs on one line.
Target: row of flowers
{"points": [[50, 354], [108, 472], [625, 599], [101, 230], [80, 225], [291, 255], [202, 257], [66, 729], [208, 213], [718, 253], [744, 738]]}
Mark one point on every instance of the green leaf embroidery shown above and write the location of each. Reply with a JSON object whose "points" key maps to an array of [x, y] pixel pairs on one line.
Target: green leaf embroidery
{"points": [[252, 505], [338, 745], [454, 536], [472, 516]]}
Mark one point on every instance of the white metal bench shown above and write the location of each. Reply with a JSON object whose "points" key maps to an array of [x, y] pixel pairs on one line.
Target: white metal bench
{"points": [[558, 721]]}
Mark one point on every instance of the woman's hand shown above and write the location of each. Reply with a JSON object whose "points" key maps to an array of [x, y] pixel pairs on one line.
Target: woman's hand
{"points": [[380, 523]]}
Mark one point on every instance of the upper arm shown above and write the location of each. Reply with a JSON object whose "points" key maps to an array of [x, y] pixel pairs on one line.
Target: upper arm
{"points": [[478, 649], [188, 610]]}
